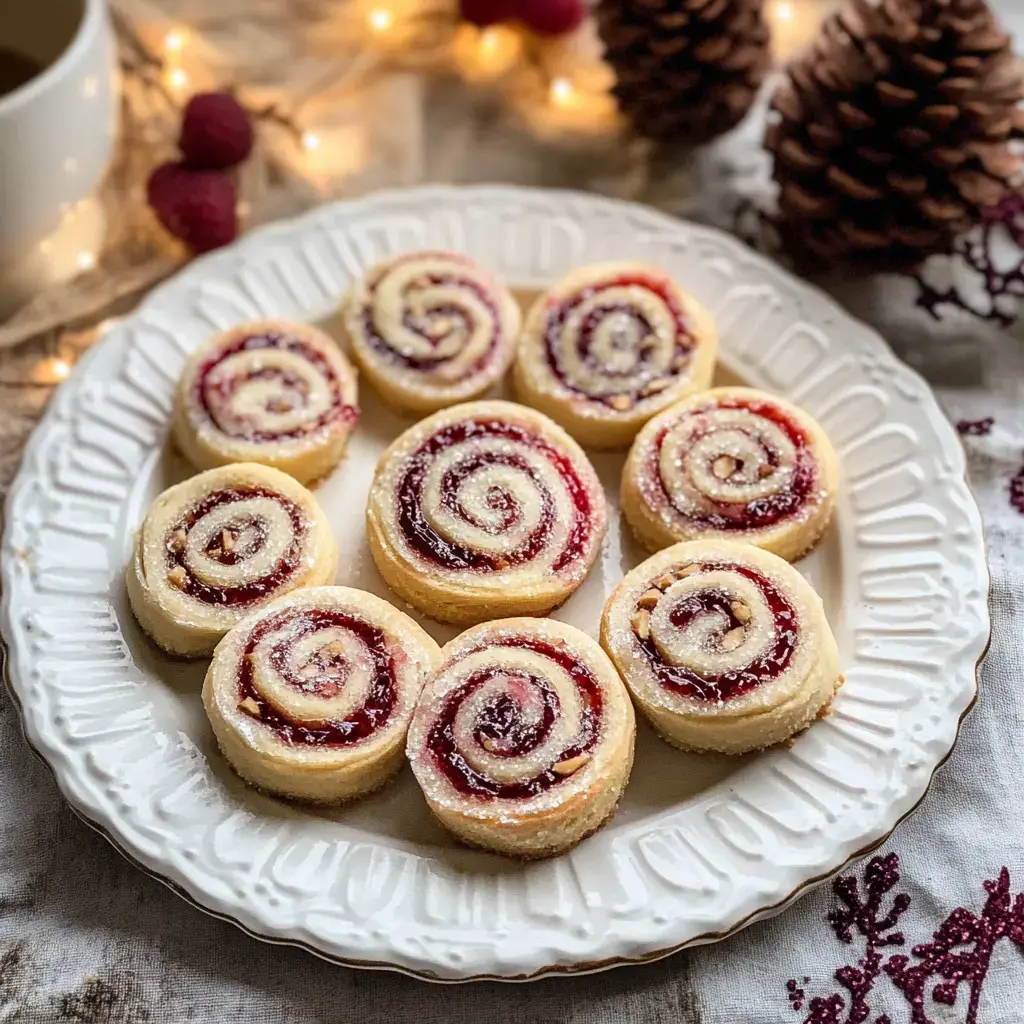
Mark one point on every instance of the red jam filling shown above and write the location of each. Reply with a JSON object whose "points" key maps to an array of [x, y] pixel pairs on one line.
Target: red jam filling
{"points": [[212, 397], [384, 349], [760, 513], [502, 723], [433, 547], [727, 686], [254, 529], [380, 701], [560, 311]]}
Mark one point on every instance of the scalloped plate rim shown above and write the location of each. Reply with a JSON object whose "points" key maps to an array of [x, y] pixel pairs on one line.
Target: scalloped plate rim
{"points": [[183, 884]]}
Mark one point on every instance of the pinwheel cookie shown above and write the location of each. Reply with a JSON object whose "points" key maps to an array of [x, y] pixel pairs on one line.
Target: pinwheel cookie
{"points": [[430, 329], [523, 741], [733, 463], [484, 510], [723, 646], [218, 546], [611, 345], [311, 696], [273, 392]]}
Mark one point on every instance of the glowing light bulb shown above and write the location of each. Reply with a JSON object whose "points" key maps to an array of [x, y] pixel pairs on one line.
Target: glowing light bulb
{"points": [[310, 141], [784, 11], [380, 19], [177, 79], [489, 41], [174, 41], [52, 370], [85, 260], [562, 91]]}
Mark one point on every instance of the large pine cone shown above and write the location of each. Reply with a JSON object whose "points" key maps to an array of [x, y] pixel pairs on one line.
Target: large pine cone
{"points": [[686, 70], [892, 134]]}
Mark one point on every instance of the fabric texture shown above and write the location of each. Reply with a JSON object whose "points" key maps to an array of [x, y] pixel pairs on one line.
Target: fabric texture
{"points": [[87, 937]]}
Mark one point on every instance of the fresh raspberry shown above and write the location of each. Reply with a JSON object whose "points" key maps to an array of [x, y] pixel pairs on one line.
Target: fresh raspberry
{"points": [[197, 206], [488, 12], [215, 131], [551, 17]]}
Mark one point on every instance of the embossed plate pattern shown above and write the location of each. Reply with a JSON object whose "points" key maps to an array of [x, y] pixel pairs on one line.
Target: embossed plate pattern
{"points": [[700, 845]]}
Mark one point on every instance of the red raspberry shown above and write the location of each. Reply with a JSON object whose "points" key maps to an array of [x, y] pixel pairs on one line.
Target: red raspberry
{"points": [[197, 206], [551, 17], [215, 131], [487, 12]]}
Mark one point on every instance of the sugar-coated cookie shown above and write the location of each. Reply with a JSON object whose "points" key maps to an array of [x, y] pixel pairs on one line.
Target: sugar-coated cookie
{"points": [[430, 329], [723, 646], [485, 510], [523, 741], [272, 392], [311, 696], [611, 345], [733, 463], [218, 546]]}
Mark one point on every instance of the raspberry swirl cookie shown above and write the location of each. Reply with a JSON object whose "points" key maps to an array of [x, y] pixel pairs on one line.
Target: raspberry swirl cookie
{"points": [[272, 392], [311, 696], [723, 646], [523, 741], [484, 510], [430, 329], [733, 463], [218, 546], [611, 345]]}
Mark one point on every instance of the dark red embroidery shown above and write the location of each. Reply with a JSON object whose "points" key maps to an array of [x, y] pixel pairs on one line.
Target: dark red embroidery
{"points": [[975, 428], [796, 993], [960, 951], [1017, 491], [983, 250], [1002, 917], [993, 251], [861, 912]]}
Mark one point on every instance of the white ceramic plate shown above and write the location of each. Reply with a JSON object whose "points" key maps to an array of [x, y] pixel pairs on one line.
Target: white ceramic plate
{"points": [[701, 845]]}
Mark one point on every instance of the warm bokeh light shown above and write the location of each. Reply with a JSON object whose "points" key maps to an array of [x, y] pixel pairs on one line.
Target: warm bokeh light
{"points": [[381, 19], [51, 370], [339, 151], [562, 91], [795, 24], [484, 55], [177, 79], [490, 40], [174, 41], [310, 141], [85, 260]]}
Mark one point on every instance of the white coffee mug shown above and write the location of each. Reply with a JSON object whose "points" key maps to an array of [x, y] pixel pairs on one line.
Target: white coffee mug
{"points": [[57, 133]]}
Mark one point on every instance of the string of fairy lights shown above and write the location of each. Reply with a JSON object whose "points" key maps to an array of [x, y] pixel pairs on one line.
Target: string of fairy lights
{"points": [[559, 87]]}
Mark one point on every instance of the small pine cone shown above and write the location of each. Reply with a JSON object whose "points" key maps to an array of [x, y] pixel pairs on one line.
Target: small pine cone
{"points": [[893, 133], [686, 70]]}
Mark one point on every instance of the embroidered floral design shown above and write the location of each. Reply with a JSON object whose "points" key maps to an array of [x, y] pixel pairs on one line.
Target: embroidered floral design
{"points": [[796, 993], [1017, 491], [975, 428], [860, 911], [960, 951], [994, 252], [982, 275], [943, 957]]}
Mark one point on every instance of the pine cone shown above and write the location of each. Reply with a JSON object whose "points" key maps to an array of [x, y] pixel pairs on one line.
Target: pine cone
{"points": [[892, 134], [687, 70]]}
